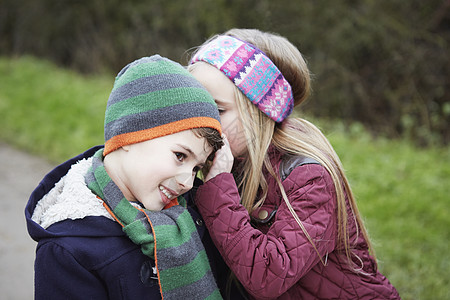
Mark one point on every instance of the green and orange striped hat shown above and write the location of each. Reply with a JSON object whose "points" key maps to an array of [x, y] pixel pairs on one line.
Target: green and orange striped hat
{"points": [[153, 97]]}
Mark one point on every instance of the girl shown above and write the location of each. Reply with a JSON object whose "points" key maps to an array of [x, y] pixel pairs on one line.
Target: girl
{"points": [[285, 220]]}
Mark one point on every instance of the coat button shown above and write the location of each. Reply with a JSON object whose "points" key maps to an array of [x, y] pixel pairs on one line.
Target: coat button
{"points": [[199, 222], [263, 214]]}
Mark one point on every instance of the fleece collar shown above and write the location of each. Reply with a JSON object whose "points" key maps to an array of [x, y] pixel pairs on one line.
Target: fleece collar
{"points": [[69, 199]]}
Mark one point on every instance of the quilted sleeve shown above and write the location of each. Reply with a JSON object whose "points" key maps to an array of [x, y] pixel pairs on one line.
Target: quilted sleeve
{"points": [[269, 264]]}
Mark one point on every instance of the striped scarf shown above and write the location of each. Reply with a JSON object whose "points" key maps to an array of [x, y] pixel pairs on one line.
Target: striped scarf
{"points": [[168, 236]]}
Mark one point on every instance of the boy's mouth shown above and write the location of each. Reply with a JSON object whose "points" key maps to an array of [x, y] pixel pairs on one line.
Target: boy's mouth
{"points": [[168, 193]]}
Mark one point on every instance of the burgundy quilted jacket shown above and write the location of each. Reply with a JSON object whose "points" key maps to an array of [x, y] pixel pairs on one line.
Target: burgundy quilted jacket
{"points": [[275, 259]]}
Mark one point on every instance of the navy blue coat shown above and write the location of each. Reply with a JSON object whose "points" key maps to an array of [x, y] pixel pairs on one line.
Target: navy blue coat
{"points": [[92, 258]]}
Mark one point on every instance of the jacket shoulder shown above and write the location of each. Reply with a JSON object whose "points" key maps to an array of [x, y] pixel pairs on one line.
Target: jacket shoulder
{"points": [[100, 266], [290, 162]]}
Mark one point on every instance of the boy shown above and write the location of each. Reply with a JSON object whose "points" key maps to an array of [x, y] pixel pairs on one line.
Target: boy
{"points": [[161, 126]]}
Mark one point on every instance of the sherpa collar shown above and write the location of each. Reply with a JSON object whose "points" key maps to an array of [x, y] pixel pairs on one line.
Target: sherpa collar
{"points": [[69, 199]]}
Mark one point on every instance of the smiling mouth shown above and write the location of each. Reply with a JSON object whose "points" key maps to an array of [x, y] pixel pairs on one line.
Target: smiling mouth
{"points": [[166, 192]]}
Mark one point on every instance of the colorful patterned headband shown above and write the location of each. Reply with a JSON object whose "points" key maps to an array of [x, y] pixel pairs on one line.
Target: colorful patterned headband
{"points": [[252, 72]]}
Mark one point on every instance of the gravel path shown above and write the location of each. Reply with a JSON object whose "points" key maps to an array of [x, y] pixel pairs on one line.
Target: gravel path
{"points": [[20, 173]]}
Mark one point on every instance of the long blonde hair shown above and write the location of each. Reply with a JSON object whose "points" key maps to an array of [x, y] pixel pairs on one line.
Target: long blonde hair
{"points": [[294, 136]]}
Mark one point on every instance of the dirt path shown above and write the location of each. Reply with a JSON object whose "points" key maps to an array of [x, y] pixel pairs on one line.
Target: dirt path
{"points": [[20, 173]]}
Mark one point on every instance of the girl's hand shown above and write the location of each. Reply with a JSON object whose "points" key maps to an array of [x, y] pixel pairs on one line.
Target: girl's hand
{"points": [[223, 161]]}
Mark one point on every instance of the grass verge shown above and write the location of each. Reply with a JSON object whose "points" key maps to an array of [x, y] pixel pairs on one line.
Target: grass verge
{"points": [[49, 111], [403, 192]]}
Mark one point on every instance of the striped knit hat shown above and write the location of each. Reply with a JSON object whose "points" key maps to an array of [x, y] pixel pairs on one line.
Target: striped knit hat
{"points": [[153, 97]]}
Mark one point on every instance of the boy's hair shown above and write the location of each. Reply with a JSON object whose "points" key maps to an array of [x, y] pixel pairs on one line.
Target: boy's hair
{"points": [[212, 137], [153, 97]]}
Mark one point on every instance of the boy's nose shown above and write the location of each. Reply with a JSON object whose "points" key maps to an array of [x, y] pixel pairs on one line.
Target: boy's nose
{"points": [[185, 179]]}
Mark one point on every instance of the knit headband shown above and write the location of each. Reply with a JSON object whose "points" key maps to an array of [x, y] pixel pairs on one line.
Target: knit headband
{"points": [[153, 97], [252, 72]]}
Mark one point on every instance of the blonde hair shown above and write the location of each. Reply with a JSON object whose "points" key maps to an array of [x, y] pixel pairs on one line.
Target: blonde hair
{"points": [[294, 136]]}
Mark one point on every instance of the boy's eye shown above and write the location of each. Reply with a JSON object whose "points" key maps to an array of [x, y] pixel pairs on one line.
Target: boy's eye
{"points": [[221, 111], [196, 169], [180, 156]]}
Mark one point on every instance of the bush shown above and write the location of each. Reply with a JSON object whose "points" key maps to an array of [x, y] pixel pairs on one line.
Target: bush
{"points": [[382, 63]]}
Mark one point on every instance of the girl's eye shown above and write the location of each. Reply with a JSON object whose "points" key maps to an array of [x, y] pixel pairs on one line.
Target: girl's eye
{"points": [[180, 156]]}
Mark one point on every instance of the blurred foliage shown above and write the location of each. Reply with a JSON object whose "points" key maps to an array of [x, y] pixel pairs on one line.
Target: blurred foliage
{"points": [[382, 63]]}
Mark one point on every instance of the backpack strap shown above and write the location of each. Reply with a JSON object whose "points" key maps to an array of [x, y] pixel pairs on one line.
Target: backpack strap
{"points": [[290, 162]]}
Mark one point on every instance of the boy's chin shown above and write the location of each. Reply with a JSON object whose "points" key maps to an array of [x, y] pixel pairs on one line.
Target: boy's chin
{"points": [[150, 205]]}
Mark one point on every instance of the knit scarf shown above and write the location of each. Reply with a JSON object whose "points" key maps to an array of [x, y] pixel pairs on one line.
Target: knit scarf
{"points": [[168, 236]]}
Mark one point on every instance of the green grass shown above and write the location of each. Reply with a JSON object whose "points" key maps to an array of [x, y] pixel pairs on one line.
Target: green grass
{"points": [[50, 111], [403, 192]]}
